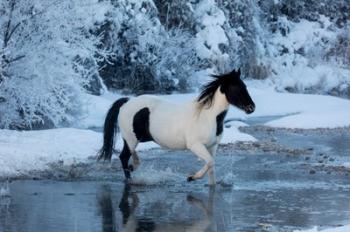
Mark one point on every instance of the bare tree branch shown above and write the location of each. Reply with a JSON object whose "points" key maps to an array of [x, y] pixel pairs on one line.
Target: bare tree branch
{"points": [[12, 31], [8, 26], [16, 59]]}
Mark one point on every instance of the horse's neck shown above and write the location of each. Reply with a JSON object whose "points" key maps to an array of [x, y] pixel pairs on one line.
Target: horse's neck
{"points": [[219, 105]]}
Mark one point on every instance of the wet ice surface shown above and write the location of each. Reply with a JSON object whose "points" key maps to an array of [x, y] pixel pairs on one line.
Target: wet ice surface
{"points": [[288, 180]]}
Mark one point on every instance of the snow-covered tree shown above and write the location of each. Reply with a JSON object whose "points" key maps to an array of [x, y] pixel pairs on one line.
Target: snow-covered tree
{"points": [[176, 14], [211, 39], [245, 32], [47, 54]]}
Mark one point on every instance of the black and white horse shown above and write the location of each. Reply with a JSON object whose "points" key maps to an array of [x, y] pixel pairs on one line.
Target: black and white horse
{"points": [[196, 125]]}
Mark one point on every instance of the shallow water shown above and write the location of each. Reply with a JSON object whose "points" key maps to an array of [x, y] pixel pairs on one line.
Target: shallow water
{"points": [[258, 191]]}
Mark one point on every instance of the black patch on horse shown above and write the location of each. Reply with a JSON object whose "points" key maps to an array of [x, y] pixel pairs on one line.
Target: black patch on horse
{"points": [[141, 125], [220, 122]]}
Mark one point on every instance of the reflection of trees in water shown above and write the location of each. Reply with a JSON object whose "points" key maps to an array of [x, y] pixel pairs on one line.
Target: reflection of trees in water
{"points": [[129, 204]]}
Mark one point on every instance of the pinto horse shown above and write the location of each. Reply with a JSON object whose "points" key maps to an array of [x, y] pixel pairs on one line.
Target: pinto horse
{"points": [[197, 125]]}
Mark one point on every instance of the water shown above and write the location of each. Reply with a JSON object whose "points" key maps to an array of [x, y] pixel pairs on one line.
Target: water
{"points": [[282, 189]]}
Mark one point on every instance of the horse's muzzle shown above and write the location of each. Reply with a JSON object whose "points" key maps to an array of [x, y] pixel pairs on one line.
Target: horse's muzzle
{"points": [[249, 109]]}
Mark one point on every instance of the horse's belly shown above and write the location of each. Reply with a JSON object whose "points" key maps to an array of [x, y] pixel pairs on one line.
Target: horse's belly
{"points": [[167, 128], [169, 139], [178, 145]]}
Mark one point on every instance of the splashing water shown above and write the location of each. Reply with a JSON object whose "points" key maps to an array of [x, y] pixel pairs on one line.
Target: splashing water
{"points": [[153, 176], [227, 180]]}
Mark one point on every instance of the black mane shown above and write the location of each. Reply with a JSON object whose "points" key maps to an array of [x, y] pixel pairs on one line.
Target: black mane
{"points": [[208, 90]]}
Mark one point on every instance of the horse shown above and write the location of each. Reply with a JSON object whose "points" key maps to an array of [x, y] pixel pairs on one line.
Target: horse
{"points": [[196, 125]]}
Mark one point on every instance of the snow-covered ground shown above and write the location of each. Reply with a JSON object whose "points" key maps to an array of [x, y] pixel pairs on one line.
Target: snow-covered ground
{"points": [[21, 152]]}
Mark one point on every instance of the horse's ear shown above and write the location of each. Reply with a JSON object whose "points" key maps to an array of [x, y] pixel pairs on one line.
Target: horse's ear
{"points": [[237, 73], [233, 72]]}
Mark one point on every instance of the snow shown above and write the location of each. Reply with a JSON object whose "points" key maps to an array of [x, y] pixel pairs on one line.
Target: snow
{"points": [[309, 111], [232, 134], [96, 109], [24, 151]]}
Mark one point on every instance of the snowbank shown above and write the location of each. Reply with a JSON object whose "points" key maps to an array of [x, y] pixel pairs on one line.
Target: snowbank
{"points": [[303, 110], [24, 151], [232, 134]]}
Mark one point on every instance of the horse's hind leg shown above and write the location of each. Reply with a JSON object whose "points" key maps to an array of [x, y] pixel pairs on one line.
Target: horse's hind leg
{"points": [[127, 152], [124, 159]]}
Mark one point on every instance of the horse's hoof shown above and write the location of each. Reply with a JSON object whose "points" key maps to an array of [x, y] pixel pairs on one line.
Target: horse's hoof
{"points": [[190, 178], [127, 180], [131, 167]]}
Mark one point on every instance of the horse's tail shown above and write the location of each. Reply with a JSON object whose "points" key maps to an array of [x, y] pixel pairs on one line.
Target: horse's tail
{"points": [[110, 129]]}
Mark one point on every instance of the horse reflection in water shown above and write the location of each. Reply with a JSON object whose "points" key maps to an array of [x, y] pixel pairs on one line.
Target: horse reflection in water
{"points": [[131, 222]]}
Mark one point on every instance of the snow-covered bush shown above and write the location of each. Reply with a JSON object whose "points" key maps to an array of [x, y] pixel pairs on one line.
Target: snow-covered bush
{"points": [[136, 31], [177, 61], [147, 57], [303, 57], [45, 47]]}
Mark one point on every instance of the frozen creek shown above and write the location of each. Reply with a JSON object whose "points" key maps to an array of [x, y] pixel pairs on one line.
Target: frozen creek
{"points": [[288, 180]]}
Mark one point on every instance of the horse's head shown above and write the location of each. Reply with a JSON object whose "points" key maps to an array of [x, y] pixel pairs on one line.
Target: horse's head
{"points": [[236, 91], [232, 87]]}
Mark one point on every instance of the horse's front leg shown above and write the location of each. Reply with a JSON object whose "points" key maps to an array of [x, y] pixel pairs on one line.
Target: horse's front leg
{"points": [[211, 171], [202, 152]]}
